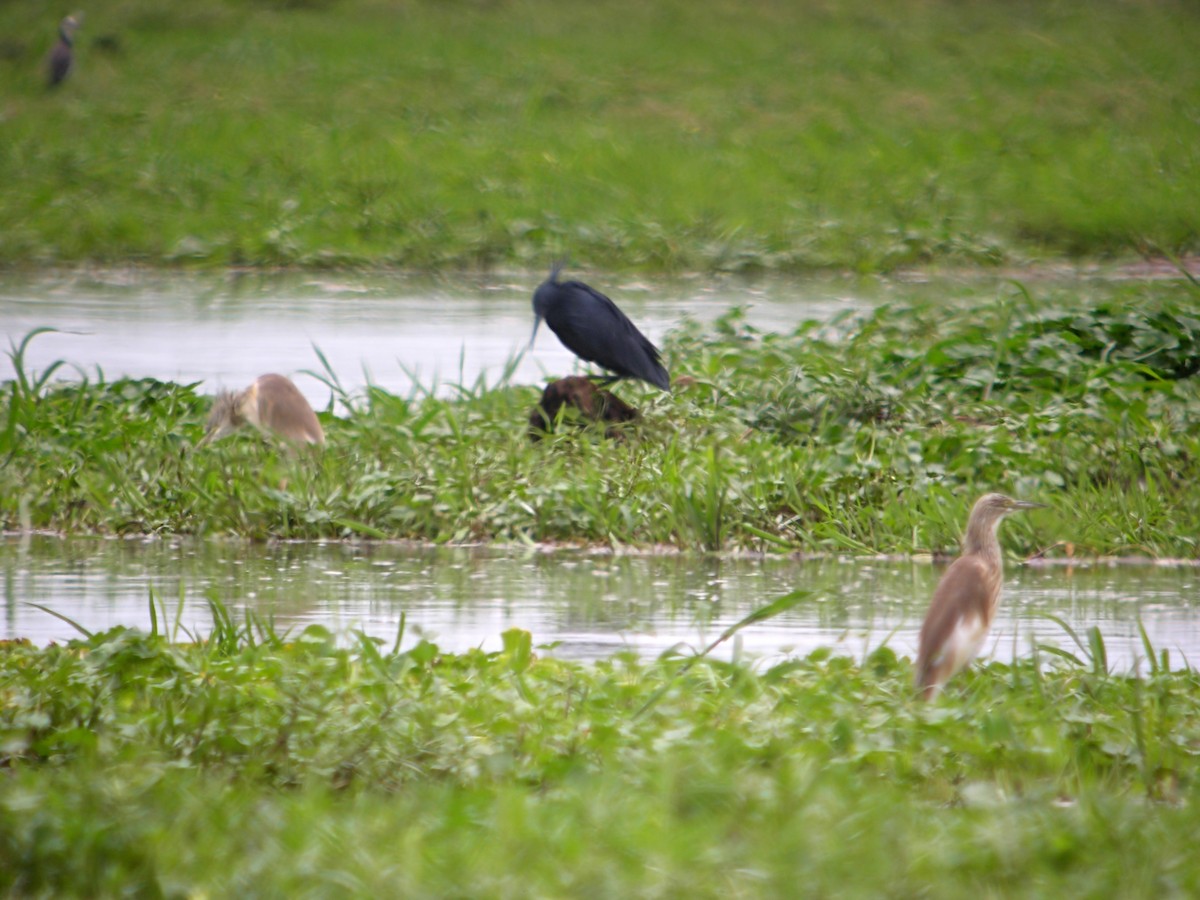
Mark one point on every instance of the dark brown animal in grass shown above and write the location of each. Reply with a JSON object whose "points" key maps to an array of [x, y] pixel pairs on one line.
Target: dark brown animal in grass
{"points": [[593, 403]]}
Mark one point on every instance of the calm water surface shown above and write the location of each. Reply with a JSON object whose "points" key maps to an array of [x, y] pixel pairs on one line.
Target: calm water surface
{"points": [[590, 605], [394, 332]]}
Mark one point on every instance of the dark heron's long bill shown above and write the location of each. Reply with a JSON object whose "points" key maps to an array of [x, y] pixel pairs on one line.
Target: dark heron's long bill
{"points": [[537, 320]]}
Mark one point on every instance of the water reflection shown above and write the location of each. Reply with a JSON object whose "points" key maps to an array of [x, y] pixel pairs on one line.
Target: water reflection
{"points": [[590, 606]]}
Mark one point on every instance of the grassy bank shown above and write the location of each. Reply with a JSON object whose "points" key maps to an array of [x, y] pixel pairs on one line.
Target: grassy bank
{"points": [[673, 135], [874, 433], [132, 764]]}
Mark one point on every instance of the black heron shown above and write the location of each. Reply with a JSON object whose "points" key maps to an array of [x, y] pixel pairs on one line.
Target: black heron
{"points": [[592, 327], [965, 600], [58, 65], [273, 405]]}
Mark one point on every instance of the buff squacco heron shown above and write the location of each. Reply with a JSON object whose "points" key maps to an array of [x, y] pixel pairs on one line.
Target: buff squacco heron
{"points": [[273, 405], [965, 600]]}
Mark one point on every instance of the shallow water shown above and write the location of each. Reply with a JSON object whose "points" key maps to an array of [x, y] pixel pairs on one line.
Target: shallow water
{"points": [[393, 332], [588, 605], [404, 332]]}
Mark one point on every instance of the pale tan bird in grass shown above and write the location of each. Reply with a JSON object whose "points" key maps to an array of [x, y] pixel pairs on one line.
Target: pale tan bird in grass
{"points": [[273, 405], [965, 600]]}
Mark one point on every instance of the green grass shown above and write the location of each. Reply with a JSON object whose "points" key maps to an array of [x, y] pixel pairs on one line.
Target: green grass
{"points": [[675, 135], [133, 764], [873, 433]]}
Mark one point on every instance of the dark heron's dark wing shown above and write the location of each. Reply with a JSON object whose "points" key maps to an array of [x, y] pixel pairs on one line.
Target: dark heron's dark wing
{"points": [[592, 327]]}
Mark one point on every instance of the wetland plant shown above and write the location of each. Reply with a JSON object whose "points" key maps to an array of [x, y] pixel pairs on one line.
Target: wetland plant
{"points": [[864, 434], [132, 762]]}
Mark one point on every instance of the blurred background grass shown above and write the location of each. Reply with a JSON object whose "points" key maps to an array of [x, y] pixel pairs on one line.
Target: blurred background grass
{"points": [[683, 134]]}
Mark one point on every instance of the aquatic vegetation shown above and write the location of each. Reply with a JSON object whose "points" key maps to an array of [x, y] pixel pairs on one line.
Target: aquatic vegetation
{"points": [[871, 433], [131, 762]]}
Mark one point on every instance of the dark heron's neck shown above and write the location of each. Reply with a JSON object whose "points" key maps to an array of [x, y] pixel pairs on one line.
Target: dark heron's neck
{"points": [[64, 35]]}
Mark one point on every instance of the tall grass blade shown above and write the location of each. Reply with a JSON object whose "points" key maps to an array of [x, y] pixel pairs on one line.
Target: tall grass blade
{"points": [[1098, 651], [153, 616], [224, 634], [1062, 654], [331, 380], [369, 648], [418, 391], [1061, 623], [362, 528], [58, 615], [772, 609], [399, 633], [17, 355], [1148, 647], [178, 612], [775, 539]]}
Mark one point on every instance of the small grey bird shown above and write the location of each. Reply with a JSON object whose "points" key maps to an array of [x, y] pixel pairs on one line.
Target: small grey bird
{"points": [[58, 65]]}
